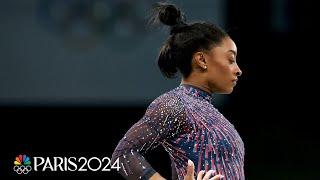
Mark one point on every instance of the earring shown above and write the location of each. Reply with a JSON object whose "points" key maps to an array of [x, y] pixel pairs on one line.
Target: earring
{"points": [[205, 67]]}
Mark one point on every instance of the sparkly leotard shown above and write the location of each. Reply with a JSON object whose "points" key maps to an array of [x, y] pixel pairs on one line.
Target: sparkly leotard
{"points": [[188, 126]]}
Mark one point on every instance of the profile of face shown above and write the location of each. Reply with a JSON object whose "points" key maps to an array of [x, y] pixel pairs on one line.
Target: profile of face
{"points": [[221, 69]]}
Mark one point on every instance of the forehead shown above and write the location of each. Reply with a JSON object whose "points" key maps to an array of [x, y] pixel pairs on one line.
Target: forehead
{"points": [[227, 45]]}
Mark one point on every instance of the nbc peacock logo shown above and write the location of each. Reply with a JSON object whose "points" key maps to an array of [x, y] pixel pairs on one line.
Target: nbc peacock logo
{"points": [[22, 164]]}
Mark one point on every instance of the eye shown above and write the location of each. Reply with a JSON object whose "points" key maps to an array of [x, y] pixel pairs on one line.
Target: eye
{"points": [[232, 61]]}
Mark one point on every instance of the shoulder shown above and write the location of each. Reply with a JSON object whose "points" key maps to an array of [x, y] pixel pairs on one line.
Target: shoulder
{"points": [[168, 101]]}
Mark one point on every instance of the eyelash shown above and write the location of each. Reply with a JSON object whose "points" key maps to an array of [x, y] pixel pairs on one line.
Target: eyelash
{"points": [[232, 61]]}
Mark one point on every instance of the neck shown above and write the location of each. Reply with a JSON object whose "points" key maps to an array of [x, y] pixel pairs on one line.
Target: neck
{"points": [[196, 83]]}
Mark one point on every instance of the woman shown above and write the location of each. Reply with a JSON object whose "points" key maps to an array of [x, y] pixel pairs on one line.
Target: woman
{"points": [[183, 121]]}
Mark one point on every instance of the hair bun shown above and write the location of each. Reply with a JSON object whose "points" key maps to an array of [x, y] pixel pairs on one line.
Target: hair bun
{"points": [[169, 14]]}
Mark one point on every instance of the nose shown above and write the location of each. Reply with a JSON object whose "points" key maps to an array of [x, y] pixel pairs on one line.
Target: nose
{"points": [[239, 72]]}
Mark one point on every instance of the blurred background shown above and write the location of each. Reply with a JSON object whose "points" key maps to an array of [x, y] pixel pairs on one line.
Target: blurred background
{"points": [[76, 74]]}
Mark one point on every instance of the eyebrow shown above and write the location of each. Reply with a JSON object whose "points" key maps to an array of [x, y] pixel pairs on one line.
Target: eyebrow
{"points": [[234, 52]]}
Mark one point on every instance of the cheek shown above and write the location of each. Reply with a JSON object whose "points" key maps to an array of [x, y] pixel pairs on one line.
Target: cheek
{"points": [[226, 69], [223, 71], [217, 74], [220, 70]]}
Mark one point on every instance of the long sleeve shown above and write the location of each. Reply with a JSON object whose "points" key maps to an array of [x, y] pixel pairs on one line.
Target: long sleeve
{"points": [[174, 175], [162, 121]]}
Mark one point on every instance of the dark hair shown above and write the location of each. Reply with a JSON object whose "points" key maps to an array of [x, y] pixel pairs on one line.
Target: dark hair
{"points": [[184, 40]]}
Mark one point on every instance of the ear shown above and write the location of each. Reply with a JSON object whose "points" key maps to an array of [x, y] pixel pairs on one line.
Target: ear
{"points": [[200, 60]]}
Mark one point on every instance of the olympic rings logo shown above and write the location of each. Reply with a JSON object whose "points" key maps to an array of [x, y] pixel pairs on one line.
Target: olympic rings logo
{"points": [[22, 169]]}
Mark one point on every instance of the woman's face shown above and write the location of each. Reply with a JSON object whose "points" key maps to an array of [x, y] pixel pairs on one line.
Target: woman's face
{"points": [[222, 69]]}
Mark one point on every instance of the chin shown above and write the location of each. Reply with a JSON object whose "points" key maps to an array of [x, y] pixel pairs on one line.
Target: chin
{"points": [[228, 91]]}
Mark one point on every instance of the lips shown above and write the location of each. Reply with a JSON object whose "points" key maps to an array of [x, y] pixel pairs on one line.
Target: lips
{"points": [[235, 81]]}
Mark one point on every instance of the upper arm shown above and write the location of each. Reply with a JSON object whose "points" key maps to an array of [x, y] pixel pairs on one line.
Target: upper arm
{"points": [[162, 121]]}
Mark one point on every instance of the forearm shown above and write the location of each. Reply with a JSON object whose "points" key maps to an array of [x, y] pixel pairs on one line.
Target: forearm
{"points": [[133, 165], [156, 176]]}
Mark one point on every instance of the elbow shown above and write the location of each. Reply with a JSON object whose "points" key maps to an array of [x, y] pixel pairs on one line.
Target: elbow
{"points": [[115, 156]]}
